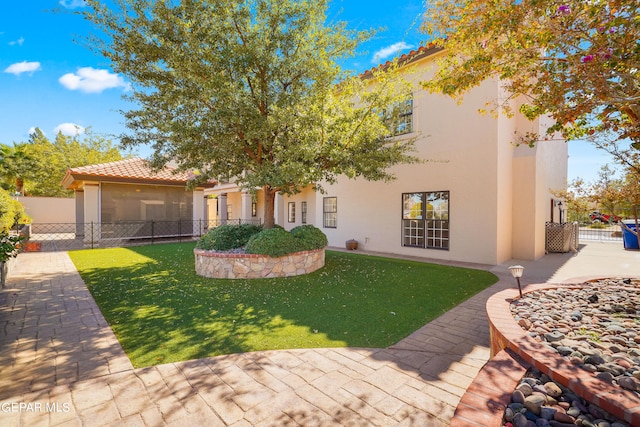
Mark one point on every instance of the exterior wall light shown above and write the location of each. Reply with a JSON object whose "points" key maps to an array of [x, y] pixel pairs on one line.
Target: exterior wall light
{"points": [[516, 271]]}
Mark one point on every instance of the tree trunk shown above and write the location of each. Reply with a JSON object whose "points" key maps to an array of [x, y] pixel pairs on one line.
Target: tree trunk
{"points": [[20, 186], [269, 206]]}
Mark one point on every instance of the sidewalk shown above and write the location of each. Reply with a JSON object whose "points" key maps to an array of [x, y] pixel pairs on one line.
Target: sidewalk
{"points": [[60, 364]]}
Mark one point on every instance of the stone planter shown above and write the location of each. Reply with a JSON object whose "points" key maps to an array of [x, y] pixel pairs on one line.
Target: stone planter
{"points": [[251, 266]]}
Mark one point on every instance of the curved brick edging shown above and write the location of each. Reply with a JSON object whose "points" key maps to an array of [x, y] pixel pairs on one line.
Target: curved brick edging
{"points": [[251, 266], [485, 400], [505, 333]]}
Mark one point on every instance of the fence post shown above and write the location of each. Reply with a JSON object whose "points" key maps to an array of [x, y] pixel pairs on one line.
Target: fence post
{"points": [[92, 236], [152, 230], [179, 230]]}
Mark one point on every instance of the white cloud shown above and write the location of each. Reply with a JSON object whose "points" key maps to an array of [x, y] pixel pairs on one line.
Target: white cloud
{"points": [[18, 42], [72, 4], [69, 129], [91, 80], [22, 67], [388, 51]]}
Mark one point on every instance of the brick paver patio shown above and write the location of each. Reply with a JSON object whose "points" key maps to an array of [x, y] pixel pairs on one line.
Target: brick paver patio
{"points": [[60, 365]]}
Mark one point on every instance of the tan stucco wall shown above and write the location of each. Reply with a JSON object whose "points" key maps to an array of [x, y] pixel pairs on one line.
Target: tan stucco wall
{"points": [[307, 195], [49, 210], [499, 193]]}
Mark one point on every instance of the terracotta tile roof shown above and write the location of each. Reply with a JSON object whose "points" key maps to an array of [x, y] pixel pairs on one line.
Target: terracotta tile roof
{"points": [[135, 169], [130, 168], [406, 58]]}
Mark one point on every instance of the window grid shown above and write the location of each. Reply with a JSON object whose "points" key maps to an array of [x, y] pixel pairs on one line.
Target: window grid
{"points": [[330, 212], [413, 233], [303, 212], [425, 220], [292, 212], [399, 118]]}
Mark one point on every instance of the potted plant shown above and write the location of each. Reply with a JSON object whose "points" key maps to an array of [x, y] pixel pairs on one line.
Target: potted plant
{"points": [[9, 248]]}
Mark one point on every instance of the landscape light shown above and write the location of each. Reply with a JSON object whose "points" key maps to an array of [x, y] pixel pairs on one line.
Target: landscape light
{"points": [[516, 271]]}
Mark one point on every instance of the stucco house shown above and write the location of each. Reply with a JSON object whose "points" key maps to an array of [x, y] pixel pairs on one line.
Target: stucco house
{"points": [[130, 195], [477, 197]]}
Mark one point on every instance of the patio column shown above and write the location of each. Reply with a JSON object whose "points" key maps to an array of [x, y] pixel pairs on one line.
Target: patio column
{"points": [[245, 210], [222, 209], [91, 213], [79, 195], [198, 211]]}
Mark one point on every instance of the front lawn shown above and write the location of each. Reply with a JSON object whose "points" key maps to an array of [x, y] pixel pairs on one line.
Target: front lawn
{"points": [[162, 312]]}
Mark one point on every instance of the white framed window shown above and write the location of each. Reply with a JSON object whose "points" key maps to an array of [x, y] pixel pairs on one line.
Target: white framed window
{"points": [[292, 212], [330, 212]]}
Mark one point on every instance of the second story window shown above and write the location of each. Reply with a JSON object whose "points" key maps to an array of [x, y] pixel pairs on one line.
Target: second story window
{"points": [[399, 118]]}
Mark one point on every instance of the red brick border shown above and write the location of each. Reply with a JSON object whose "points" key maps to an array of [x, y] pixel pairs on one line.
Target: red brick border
{"points": [[485, 400], [507, 335]]}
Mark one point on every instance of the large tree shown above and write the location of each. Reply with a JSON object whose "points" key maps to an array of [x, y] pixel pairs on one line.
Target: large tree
{"points": [[577, 61], [252, 90], [37, 167]]}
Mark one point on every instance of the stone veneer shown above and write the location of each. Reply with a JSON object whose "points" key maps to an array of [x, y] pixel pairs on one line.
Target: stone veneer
{"points": [[251, 266]]}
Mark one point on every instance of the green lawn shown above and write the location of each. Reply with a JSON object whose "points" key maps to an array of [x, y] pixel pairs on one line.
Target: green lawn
{"points": [[161, 311]]}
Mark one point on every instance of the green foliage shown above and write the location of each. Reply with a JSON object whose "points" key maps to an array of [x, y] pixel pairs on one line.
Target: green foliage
{"points": [[11, 212], [274, 242], [162, 312], [226, 237], [9, 245], [247, 90], [37, 167], [598, 225], [312, 237], [574, 60]]}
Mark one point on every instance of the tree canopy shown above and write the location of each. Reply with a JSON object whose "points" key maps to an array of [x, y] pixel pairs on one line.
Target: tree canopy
{"points": [[36, 167], [251, 90], [576, 61]]}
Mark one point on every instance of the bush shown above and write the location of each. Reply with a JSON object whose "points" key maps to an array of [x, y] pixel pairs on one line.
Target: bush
{"points": [[11, 212], [312, 237], [227, 237], [274, 242]]}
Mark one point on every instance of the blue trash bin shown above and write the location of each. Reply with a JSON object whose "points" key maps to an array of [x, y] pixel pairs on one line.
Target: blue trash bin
{"points": [[629, 239]]}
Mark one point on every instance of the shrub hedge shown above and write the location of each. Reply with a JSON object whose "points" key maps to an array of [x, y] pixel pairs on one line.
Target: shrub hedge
{"points": [[312, 237], [227, 237], [274, 242], [11, 212]]}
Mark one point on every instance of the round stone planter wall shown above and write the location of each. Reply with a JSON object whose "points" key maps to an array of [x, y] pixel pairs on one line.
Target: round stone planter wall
{"points": [[251, 266]]}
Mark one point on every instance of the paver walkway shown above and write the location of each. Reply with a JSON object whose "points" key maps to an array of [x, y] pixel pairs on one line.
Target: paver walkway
{"points": [[60, 364]]}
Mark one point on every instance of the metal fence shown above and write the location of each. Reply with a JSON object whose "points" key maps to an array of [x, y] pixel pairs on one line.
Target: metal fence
{"points": [[50, 237], [610, 233]]}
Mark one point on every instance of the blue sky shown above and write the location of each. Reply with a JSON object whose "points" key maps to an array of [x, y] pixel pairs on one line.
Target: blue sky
{"points": [[50, 81]]}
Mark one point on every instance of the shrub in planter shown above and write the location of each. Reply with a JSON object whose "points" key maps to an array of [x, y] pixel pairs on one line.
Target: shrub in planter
{"points": [[227, 237], [274, 242], [311, 237]]}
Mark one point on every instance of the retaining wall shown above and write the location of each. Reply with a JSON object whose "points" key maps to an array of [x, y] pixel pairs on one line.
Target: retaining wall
{"points": [[252, 266]]}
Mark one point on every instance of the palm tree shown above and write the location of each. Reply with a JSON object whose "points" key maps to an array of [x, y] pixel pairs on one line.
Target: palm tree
{"points": [[15, 161]]}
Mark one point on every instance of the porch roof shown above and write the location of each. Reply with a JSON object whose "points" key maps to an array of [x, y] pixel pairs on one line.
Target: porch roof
{"points": [[135, 170]]}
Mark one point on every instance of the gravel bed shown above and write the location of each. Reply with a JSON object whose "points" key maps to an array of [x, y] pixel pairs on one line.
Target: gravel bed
{"points": [[540, 402], [594, 326]]}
